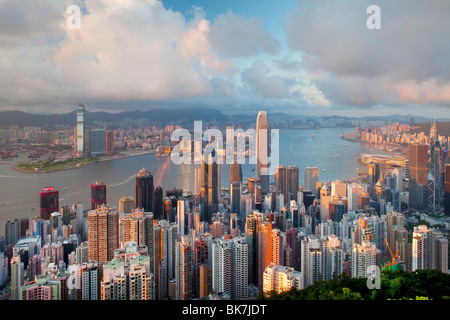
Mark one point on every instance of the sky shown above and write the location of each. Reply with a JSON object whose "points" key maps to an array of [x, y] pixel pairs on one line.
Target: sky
{"points": [[311, 57]]}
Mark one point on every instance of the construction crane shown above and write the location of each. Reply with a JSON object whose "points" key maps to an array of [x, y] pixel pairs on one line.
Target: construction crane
{"points": [[395, 258]]}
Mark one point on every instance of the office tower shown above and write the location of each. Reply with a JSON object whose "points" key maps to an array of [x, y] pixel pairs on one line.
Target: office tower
{"points": [[418, 172], [109, 142], [363, 255], [235, 197], [280, 278], [80, 212], [158, 203], [98, 141], [252, 225], [374, 172], [79, 142], [435, 170], [126, 204], [286, 181], [213, 186], [103, 233], [235, 173], [363, 201], [311, 260], [262, 150], [181, 221], [144, 190], [98, 194], [447, 190], [65, 211], [197, 179], [421, 248], [311, 177], [17, 270], [209, 187], [236, 188], [12, 231], [183, 268], [49, 202], [24, 225], [339, 188], [325, 198], [353, 190]]}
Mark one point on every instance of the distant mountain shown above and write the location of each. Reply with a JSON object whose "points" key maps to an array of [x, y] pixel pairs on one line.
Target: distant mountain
{"points": [[443, 128], [24, 119], [161, 115]]}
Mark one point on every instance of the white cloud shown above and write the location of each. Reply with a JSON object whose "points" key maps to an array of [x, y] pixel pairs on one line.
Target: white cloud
{"points": [[407, 60]]}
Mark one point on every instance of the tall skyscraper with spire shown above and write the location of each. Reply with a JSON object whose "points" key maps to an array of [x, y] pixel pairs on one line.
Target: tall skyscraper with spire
{"points": [[262, 150], [79, 131], [435, 170]]}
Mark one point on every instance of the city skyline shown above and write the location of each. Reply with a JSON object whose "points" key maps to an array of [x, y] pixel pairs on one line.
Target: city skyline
{"points": [[297, 57], [125, 186]]}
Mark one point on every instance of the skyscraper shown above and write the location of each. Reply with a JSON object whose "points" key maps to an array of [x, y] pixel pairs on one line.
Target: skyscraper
{"points": [[98, 194], [209, 187], [183, 268], [262, 150], [311, 177], [421, 248], [363, 256], [109, 142], [230, 267], [144, 190], [435, 170], [418, 163], [98, 141], [103, 233], [158, 203], [286, 181], [49, 202], [235, 173], [447, 190], [79, 142]]}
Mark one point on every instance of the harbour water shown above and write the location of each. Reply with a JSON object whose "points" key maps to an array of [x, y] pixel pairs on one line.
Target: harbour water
{"points": [[323, 148]]}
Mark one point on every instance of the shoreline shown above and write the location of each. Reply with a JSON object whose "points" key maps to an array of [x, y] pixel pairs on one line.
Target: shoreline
{"points": [[100, 159]]}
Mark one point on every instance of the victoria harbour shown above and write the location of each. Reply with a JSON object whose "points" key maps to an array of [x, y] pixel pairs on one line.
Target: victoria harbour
{"points": [[322, 148]]}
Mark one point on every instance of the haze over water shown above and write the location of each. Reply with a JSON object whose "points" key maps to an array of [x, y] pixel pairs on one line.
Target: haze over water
{"points": [[19, 196]]}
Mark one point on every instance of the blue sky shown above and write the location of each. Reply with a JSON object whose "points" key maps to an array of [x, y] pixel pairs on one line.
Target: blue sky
{"points": [[293, 56]]}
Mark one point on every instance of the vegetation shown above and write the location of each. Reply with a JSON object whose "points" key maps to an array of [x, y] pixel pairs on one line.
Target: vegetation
{"points": [[395, 285], [49, 165]]}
